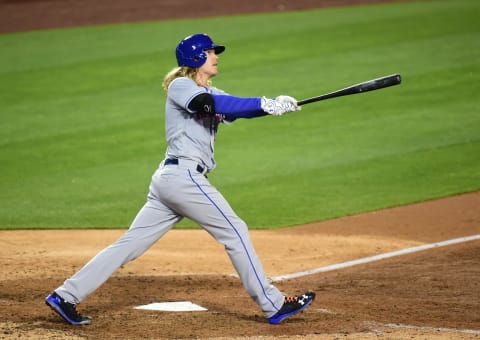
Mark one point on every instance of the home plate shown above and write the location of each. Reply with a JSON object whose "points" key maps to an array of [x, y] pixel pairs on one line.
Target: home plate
{"points": [[180, 306]]}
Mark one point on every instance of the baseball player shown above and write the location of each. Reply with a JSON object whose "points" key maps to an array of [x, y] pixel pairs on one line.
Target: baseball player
{"points": [[180, 188]]}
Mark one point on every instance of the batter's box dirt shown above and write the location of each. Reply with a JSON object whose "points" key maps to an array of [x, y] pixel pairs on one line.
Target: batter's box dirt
{"points": [[434, 289]]}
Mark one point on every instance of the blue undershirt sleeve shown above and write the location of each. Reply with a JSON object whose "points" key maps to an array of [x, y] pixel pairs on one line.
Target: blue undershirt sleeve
{"points": [[232, 107]]}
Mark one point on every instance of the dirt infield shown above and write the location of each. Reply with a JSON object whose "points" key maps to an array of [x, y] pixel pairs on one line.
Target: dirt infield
{"points": [[430, 294]]}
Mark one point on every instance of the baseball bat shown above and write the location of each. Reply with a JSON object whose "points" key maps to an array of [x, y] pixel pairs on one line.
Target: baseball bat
{"points": [[370, 85]]}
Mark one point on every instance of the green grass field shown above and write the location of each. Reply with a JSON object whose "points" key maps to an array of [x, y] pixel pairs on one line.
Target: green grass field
{"points": [[82, 125]]}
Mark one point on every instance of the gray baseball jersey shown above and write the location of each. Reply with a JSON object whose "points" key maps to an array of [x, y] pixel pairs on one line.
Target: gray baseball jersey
{"points": [[179, 188], [187, 135]]}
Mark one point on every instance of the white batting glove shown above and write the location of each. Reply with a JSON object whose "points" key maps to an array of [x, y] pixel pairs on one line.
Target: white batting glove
{"points": [[288, 101], [275, 107]]}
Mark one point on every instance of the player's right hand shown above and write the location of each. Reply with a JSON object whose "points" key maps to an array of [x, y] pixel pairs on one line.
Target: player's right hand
{"points": [[277, 107], [287, 100]]}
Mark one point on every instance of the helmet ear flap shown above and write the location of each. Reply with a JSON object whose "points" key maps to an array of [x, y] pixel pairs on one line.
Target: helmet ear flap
{"points": [[198, 60], [201, 56]]}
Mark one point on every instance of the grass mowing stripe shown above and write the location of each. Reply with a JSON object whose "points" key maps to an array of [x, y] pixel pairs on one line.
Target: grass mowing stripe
{"points": [[64, 152], [358, 186], [341, 190]]}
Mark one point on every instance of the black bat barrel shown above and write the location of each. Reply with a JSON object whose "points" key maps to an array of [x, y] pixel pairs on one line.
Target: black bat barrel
{"points": [[366, 86]]}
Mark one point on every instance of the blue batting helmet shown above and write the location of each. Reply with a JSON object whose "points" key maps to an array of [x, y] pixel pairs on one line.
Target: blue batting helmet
{"points": [[191, 50]]}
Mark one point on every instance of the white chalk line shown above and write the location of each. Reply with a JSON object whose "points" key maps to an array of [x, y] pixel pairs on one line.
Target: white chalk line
{"points": [[425, 328], [375, 258]]}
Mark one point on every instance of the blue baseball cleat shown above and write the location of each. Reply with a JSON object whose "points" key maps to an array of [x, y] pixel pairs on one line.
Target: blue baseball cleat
{"points": [[291, 306], [66, 310]]}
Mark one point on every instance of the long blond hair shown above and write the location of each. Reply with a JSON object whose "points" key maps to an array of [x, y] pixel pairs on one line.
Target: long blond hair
{"points": [[177, 72]]}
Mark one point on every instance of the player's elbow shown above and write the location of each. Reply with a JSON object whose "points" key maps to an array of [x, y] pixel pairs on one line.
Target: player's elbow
{"points": [[203, 103]]}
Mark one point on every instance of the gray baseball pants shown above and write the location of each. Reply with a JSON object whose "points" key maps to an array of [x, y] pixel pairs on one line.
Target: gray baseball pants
{"points": [[178, 191]]}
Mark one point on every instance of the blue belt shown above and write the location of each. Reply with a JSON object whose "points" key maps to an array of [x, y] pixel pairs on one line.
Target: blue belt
{"points": [[174, 161]]}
